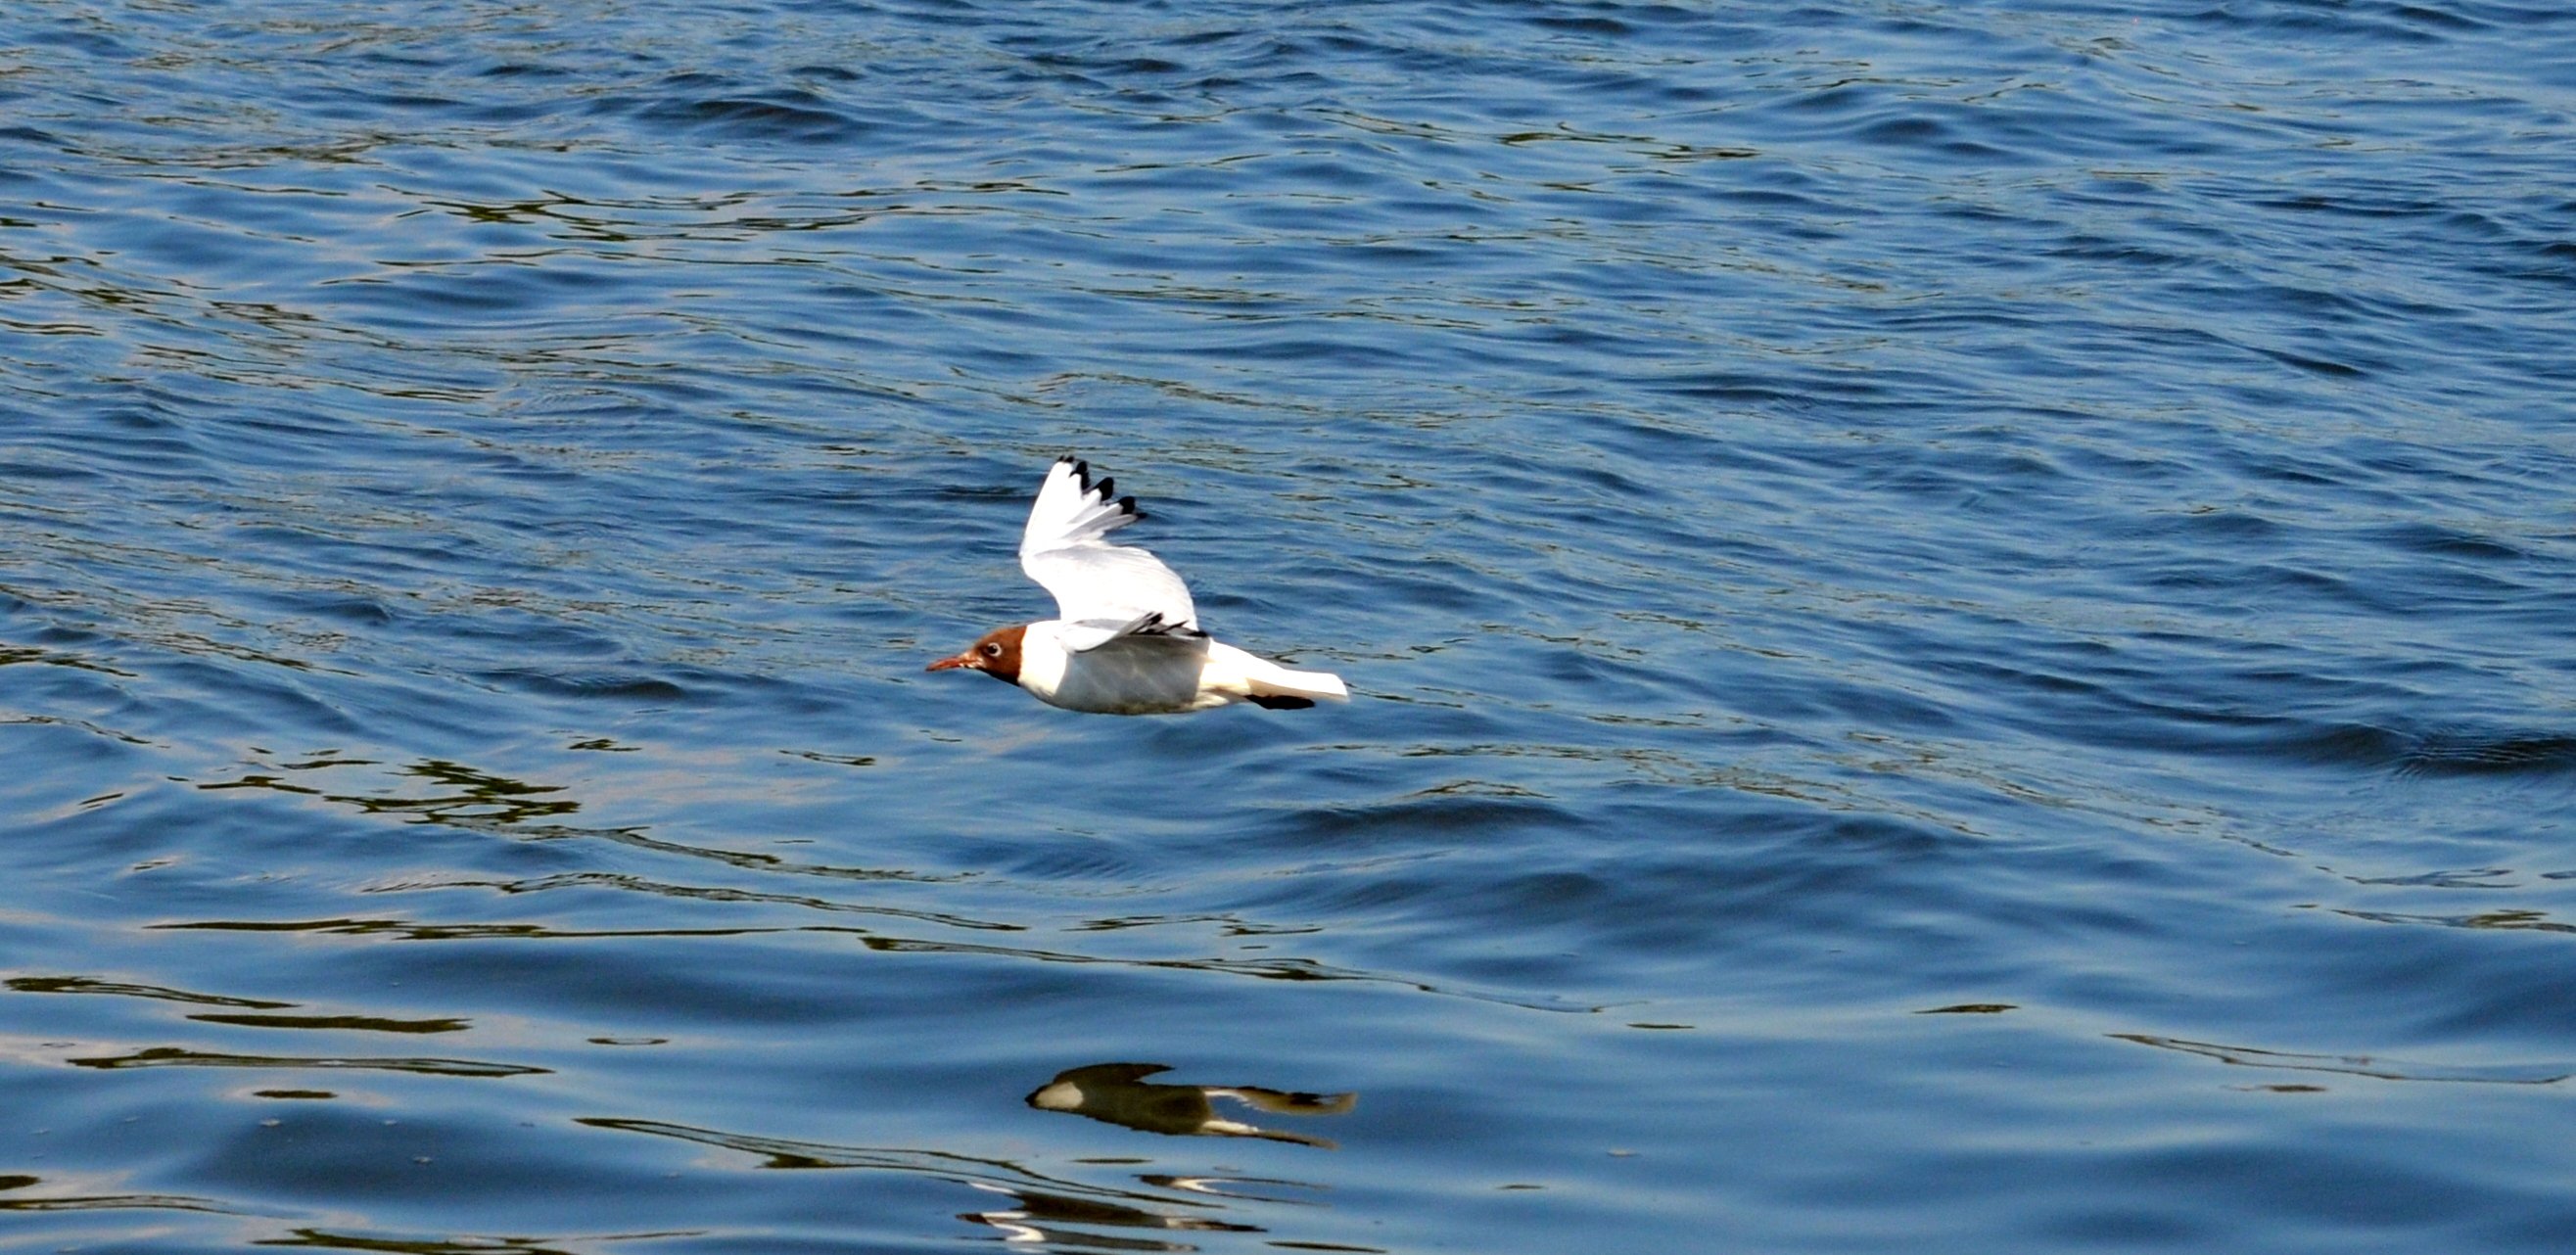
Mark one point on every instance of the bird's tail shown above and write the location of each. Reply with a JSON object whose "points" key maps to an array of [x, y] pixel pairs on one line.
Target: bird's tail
{"points": [[1266, 683], [1305, 686]]}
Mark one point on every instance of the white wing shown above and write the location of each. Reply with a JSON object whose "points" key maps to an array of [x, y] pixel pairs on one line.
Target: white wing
{"points": [[1116, 588]]}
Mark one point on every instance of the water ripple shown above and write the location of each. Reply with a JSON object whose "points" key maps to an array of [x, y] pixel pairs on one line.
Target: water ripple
{"points": [[1886, 556]]}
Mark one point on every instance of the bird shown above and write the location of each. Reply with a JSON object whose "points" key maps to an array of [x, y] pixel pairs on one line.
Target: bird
{"points": [[1126, 639]]}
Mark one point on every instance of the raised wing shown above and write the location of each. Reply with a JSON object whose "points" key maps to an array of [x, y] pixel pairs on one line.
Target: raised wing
{"points": [[1119, 587]]}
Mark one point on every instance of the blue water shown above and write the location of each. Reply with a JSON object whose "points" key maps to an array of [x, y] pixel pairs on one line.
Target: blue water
{"points": [[1962, 623]]}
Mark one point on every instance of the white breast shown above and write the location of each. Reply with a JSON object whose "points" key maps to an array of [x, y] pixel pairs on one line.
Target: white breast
{"points": [[1133, 675]]}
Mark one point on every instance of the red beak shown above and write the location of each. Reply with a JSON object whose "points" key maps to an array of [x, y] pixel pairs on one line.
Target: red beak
{"points": [[966, 660]]}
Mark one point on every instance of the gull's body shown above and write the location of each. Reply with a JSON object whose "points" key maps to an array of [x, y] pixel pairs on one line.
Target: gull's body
{"points": [[1126, 639]]}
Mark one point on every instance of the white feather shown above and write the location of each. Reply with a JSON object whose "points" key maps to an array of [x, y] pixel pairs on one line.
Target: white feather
{"points": [[1064, 548]]}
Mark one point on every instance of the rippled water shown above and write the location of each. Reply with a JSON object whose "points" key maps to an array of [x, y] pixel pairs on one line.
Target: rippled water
{"points": [[1963, 623]]}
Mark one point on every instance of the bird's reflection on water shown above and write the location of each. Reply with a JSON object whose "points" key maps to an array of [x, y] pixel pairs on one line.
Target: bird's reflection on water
{"points": [[1038, 1216], [1119, 1094], [1043, 1207]]}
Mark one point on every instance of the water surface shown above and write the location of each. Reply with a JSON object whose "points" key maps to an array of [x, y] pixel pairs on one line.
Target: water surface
{"points": [[1960, 618]]}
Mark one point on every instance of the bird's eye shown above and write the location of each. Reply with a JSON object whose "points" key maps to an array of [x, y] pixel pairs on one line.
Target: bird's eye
{"points": [[992, 649]]}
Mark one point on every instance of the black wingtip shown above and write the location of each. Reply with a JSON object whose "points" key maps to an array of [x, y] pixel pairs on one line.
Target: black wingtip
{"points": [[1129, 505], [1154, 624], [1107, 488], [1281, 701]]}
